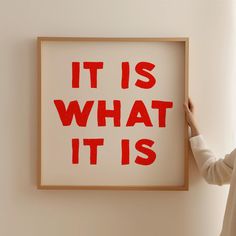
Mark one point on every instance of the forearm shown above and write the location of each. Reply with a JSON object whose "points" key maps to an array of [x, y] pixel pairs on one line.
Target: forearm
{"points": [[214, 170]]}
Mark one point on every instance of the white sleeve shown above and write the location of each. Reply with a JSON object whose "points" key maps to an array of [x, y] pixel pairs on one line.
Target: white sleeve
{"points": [[214, 171]]}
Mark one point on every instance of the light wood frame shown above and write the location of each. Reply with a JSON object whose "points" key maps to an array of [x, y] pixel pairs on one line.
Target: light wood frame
{"points": [[185, 186]]}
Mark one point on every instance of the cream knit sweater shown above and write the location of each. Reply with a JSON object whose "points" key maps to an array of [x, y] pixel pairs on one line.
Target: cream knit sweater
{"points": [[218, 171]]}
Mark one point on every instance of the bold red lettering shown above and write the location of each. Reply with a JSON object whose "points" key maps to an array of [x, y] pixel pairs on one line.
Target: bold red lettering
{"points": [[75, 151], [137, 108], [162, 106], [66, 115], [102, 113], [125, 75], [150, 153], [125, 151], [141, 68], [93, 143], [93, 67], [75, 74]]}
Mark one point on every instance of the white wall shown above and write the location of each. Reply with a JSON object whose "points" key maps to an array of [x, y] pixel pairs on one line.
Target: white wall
{"points": [[26, 211]]}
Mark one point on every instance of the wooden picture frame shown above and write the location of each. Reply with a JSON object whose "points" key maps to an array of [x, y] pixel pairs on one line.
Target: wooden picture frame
{"points": [[46, 43]]}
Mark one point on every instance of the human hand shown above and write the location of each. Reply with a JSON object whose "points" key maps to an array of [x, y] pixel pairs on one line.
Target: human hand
{"points": [[189, 114]]}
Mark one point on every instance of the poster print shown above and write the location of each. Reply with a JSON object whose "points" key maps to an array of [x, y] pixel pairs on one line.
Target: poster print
{"points": [[112, 113]]}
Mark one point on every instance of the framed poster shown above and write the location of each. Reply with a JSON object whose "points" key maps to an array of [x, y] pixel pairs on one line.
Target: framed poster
{"points": [[111, 113]]}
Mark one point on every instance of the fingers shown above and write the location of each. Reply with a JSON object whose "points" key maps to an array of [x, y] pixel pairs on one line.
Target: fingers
{"points": [[186, 107], [190, 104]]}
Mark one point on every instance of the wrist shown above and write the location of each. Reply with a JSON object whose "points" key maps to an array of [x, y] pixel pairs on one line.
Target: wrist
{"points": [[194, 131]]}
